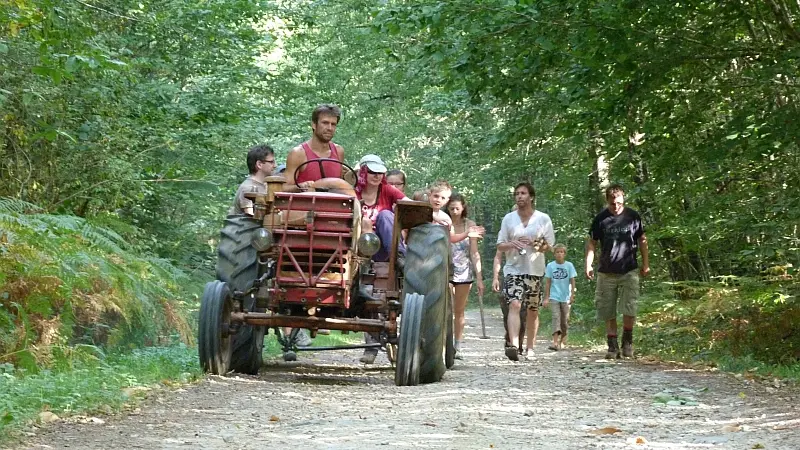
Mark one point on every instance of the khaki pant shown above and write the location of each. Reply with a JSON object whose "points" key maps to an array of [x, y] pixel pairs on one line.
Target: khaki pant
{"points": [[560, 312], [616, 291]]}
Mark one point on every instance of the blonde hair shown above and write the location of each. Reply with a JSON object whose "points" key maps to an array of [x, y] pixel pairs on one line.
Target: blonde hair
{"points": [[420, 196], [559, 247], [440, 185]]}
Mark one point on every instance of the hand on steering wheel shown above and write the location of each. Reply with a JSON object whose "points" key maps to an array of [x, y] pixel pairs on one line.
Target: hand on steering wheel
{"points": [[310, 184]]}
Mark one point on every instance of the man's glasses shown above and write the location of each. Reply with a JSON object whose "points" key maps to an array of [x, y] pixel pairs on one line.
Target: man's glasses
{"points": [[397, 184], [268, 161]]}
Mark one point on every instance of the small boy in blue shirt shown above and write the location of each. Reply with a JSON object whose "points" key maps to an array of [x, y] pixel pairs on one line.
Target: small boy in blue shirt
{"points": [[560, 288]]}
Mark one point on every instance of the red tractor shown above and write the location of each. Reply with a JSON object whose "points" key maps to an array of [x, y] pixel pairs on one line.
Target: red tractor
{"points": [[302, 262]]}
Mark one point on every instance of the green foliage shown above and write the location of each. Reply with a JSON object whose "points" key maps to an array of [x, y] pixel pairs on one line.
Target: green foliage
{"points": [[68, 281], [738, 320], [86, 381]]}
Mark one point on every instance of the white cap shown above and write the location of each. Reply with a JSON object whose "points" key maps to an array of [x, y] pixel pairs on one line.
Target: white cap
{"points": [[374, 163]]}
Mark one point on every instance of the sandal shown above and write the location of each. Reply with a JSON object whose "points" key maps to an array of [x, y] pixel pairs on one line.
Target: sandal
{"points": [[553, 348], [511, 353]]}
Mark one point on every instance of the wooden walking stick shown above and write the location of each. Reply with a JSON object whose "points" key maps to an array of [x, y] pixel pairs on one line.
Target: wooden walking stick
{"points": [[483, 323]]}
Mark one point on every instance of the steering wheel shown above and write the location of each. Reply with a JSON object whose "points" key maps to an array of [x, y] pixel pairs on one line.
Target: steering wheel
{"points": [[321, 170]]}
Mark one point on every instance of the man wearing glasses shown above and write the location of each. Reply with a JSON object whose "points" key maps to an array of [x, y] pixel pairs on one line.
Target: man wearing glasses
{"points": [[260, 163]]}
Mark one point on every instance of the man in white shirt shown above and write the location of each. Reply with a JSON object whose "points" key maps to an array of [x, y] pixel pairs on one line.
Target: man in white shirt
{"points": [[525, 235]]}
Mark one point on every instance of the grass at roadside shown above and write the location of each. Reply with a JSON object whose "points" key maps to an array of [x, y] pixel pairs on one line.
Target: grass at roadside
{"points": [[90, 384], [272, 349]]}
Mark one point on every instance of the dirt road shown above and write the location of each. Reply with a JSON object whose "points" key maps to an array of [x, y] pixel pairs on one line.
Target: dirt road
{"points": [[558, 400]]}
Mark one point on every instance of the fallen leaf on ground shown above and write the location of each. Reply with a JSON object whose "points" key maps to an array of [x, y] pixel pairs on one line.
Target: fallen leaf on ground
{"points": [[758, 446], [274, 418], [606, 430], [131, 391], [731, 428], [47, 417], [430, 424]]}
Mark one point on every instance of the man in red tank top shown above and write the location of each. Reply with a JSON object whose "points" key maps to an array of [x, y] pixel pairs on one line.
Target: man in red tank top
{"points": [[324, 119]]}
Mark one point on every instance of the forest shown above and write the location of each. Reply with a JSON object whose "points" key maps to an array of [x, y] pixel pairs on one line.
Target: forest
{"points": [[124, 127]]}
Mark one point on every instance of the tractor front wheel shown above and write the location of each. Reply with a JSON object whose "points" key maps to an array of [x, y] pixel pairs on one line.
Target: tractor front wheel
{"points": [[214, 346]]}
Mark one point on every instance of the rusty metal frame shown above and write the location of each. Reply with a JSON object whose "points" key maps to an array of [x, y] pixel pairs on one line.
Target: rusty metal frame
{"points": [[312, 322], [311, 280]]}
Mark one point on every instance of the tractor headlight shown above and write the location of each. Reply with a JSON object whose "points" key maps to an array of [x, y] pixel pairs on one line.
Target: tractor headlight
{"points": [[369, 244], [262, 239]]}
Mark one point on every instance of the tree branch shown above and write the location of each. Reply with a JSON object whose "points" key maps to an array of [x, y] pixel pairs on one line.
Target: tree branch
{"points": [[106, 11], [784, 19]]}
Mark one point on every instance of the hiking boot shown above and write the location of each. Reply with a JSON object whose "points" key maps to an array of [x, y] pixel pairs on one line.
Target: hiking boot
{"points": [[369, 355], [613, 348], [627, 343]]}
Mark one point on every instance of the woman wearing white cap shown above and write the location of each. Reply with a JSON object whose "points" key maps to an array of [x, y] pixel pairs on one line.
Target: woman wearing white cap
{"points": [[378, 199]]}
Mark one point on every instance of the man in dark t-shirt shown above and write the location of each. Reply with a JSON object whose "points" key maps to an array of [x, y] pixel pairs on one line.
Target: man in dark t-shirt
{"points": [[620, 232]]}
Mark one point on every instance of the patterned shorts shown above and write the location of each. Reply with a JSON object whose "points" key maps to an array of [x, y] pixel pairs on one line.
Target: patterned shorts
{"points": [[525, 288]]}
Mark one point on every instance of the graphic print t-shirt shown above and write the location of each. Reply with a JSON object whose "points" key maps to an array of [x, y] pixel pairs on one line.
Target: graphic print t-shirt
{"points": [[560, 276], [387, 197], [619, 240]]}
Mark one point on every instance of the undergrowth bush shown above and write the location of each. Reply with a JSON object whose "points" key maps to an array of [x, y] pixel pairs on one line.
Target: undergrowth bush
{"points": [[734, 319], [65, 281]]}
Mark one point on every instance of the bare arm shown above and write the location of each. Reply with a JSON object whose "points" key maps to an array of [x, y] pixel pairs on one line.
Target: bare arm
{"points": [[571, 290], [510, 245], [340, 151], [547, 284], [590, 246], [498, 259], [470, 228], [643, 248]]}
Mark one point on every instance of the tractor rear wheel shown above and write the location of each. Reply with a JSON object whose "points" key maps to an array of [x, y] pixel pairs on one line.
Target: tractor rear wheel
{"points": [[450, 346], [406, 371], [427, 268], [237, 265]]}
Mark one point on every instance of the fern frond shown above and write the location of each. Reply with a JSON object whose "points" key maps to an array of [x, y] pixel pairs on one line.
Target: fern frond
{"points": [[103, 239], [165, 267], [15, 205], [62, 222]]}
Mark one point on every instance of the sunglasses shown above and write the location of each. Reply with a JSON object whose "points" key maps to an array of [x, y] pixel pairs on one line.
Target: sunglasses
{"points": [[374, 173]]}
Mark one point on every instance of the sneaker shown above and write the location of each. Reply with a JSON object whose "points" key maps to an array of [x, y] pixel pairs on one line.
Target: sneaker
{"points": [[553, 347], [458, 355], [528, 353], [303, 339], [369, 356], [512, 354], [613, 348]]}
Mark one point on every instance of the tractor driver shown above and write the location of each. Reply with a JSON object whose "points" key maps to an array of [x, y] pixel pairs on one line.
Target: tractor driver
{"points": [[324, 120]]}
